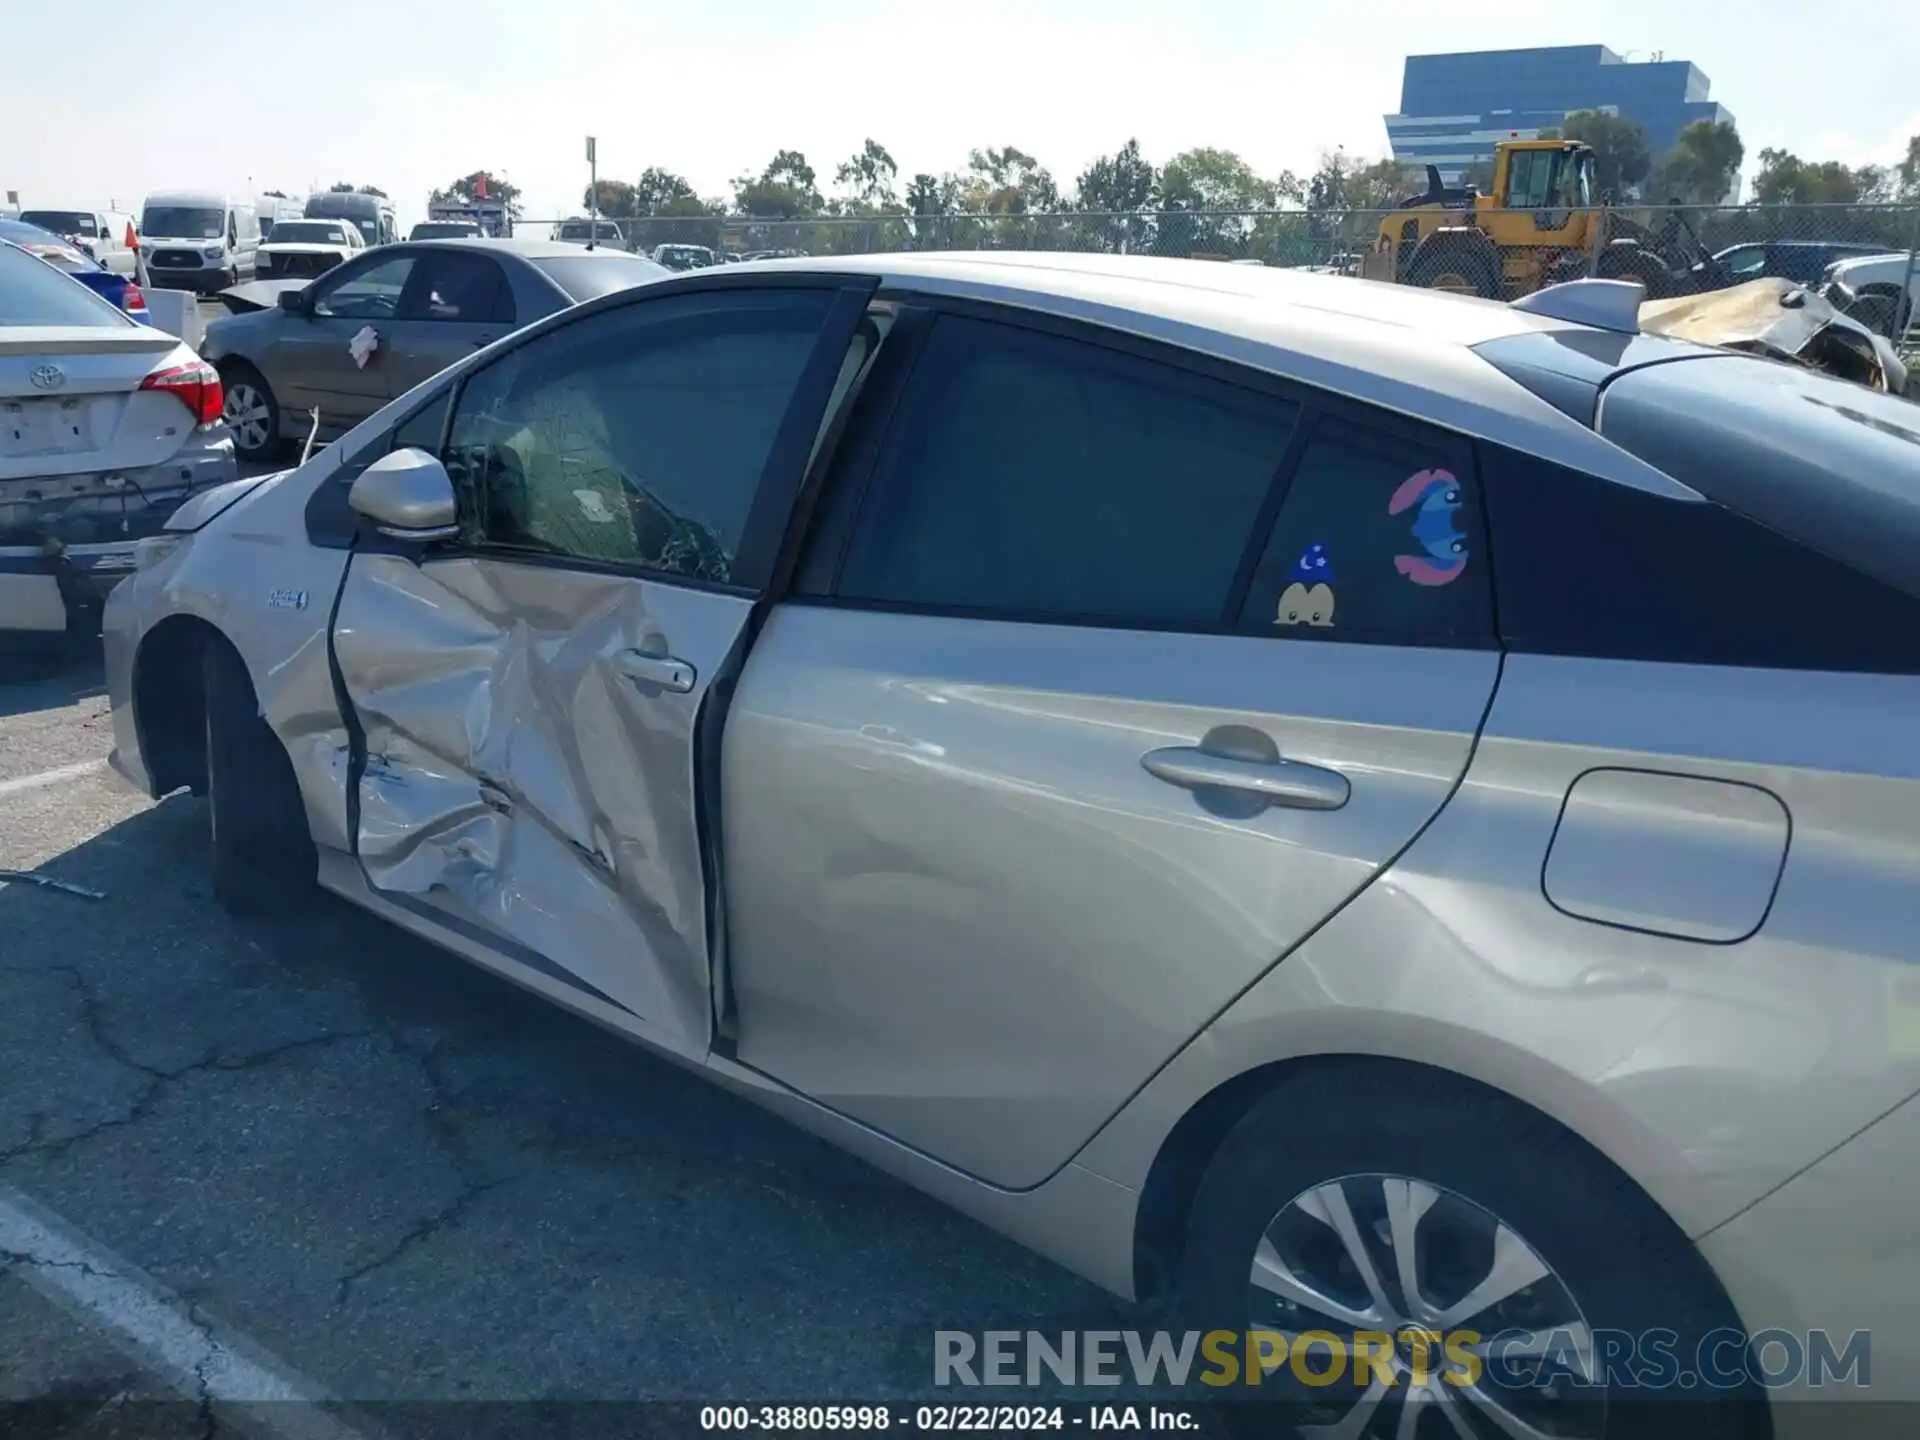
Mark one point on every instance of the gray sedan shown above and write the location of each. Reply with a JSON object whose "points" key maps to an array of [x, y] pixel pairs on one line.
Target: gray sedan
{"points": [[375, 327]]}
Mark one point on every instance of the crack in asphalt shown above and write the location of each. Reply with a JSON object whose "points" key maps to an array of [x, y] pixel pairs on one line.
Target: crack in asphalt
{"points": [[93, 1019], [442, 1099], [438, 1114]]}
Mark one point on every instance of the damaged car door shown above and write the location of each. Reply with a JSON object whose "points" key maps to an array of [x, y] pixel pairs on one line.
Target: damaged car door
{"points": [[530, 692]]}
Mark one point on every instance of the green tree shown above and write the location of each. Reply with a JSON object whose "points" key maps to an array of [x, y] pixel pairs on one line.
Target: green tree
{"points": [[342, 187], [1703, 163], [1785, 179], [1203, 187], [657, 188], [1116, 194], [930, 201], [787, 189], [1007, 181], [1620, 156], [1908, 171], [616, 199], [867, 177]]}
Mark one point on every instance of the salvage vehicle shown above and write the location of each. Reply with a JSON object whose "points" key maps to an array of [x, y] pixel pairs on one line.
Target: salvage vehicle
{"points": [[584, 231], [1880, 291], [106, 427], [307, 248], [1042, 722], [117, 289], [1804, 262], [372, 215], [1537, 226], [198, 240], [106, 236], [346, 344]]}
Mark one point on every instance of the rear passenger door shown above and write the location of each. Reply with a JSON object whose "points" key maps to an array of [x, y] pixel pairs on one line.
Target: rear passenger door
{"points": [[1109, 673], [455, 303]]}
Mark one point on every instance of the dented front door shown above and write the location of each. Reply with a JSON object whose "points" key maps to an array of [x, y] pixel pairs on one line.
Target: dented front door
{"points": [[530, 696]]}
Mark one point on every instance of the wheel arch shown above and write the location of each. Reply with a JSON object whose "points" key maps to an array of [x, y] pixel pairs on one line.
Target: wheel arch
{"points": [[169, 700], [1188, 1148]]}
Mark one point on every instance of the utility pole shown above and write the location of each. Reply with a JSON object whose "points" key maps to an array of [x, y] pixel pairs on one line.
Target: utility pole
{"points": [[593, 195]]}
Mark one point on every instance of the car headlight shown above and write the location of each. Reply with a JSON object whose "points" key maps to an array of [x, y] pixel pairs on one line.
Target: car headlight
{"points": [[212, 252], [152, 549]]}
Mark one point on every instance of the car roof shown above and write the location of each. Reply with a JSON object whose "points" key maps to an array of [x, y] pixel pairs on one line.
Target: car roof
{"points": [[1397, 346], [525, 249]]}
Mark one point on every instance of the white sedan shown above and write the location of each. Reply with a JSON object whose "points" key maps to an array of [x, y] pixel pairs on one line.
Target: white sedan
{"points": [[109, 427]]}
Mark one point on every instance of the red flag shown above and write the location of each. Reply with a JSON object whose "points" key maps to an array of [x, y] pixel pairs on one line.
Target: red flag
{"points": [[480, 186]]}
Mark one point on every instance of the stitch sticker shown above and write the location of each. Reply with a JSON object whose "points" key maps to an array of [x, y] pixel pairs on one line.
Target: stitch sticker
{"points": [[1436, 493], [1308, 598]]}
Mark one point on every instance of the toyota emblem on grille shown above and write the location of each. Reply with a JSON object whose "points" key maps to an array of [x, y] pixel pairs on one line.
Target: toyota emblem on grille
{"points": [[47, 377]]}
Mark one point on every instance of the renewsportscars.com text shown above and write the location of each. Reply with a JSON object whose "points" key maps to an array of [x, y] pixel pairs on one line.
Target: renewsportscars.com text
{"points": [[1519, 1359]]}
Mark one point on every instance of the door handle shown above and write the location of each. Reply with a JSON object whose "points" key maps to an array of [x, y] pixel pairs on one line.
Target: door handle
{"points": [[662, 670], [1279, 782]]}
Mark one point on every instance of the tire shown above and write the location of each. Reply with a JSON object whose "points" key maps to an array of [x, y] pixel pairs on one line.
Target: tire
{"points": [[1455, 267], [252, 413], [1881, 311], [262, 852], [1637, 265], [1471, 1163]]}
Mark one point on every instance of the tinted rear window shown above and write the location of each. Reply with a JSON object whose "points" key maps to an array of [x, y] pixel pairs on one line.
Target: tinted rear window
{"points": [[32, 293], [587, 277]]}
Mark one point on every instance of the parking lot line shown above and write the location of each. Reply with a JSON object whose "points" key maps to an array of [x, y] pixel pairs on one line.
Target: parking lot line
{"points": [[160, 1333], [56, 776]]}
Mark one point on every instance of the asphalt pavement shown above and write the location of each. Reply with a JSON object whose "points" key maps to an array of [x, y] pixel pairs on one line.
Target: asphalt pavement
{"points": [[393, 1175]]}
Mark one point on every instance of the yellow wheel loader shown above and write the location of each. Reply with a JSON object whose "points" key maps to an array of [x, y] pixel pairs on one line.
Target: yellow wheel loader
{"points": [[1541, 224]]}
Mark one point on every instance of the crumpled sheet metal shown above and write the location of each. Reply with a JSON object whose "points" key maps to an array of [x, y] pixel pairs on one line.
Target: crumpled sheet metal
{"points": [[516, 777], [1776, 317]]}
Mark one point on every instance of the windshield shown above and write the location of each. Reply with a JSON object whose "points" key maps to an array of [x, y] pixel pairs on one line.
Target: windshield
{"points": [[443, 230], [586, 277], [183, 222], [32, 293], [583, 230], [319, 232], [61, 222]]}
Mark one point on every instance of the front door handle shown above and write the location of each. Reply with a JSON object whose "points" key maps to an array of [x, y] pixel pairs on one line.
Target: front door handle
{"points": [[662, 670], [1279, 782]]}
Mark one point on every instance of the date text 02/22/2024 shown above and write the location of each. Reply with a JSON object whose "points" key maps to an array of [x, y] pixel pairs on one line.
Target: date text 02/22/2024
{"points": [[939, 1419]]}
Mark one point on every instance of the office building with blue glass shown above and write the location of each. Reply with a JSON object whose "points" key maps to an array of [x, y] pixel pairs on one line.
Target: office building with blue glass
{"points": [[1454, 107]]}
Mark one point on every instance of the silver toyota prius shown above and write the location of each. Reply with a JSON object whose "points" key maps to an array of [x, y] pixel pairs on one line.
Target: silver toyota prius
{"points": [[1388, 821]]}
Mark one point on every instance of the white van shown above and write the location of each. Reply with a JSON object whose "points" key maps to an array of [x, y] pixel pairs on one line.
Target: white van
{"points": [[199, 240], [272, 209], [106, 235]]}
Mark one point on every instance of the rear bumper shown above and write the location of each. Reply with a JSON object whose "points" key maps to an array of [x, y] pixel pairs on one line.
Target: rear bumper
{"points": [[66, 553], [1830, 1254]]}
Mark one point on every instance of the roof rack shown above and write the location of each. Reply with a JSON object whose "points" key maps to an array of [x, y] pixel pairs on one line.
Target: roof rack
{"points": [[1603, 304]]}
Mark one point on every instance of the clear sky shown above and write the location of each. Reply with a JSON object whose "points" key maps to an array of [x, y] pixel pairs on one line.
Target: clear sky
{"points": [[408, 94]]}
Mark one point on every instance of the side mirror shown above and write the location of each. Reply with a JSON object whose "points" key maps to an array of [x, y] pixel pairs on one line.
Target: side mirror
{"points": [[295, 302], [406, 495]]}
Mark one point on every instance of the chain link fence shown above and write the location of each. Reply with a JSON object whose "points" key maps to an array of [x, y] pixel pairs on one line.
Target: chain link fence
{"points": [[1673, 250]]}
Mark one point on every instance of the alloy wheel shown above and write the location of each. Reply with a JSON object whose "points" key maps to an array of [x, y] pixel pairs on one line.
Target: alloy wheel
{"points": [[1394, 1255], [246, 415]]}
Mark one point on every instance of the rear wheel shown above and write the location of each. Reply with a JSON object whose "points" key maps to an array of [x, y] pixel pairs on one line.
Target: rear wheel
{"points": [[1457, 267], [251, 413], [1374, 1203], [262, 851]]}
